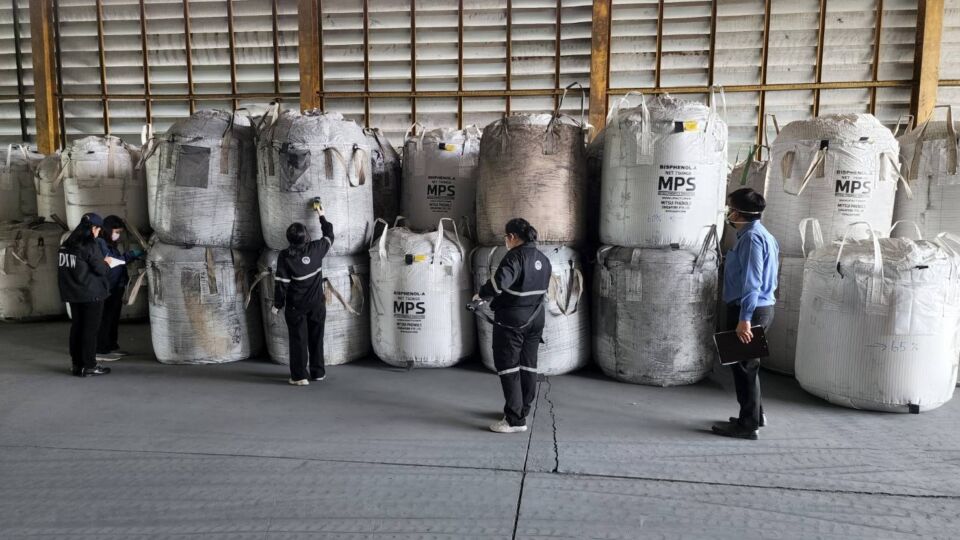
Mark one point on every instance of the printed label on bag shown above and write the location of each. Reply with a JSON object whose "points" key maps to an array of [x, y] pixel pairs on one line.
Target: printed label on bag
{"points": [[677, 187], [409, 311]]}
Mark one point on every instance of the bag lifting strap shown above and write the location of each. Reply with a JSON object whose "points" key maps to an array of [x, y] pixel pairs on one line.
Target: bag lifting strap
{"points": [[356, 291]]}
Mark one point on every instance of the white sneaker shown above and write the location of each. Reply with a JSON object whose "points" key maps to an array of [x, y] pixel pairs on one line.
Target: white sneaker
{"points": [[301, 382], [320, 378], [503, 427], [109, 357]]}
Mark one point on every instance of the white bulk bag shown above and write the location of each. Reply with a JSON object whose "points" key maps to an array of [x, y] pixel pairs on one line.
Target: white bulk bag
{"points": [[930, 155], [533, 166], [316, 155], [28, 270], [879, 323], [387, 174], [49, 187], [196, 297], [18, 197], [202, 177], [838, 169], [439, 175], [566, 333], [419, 289], [347, 326], [749, 173], [664, 173], [655, 313]]}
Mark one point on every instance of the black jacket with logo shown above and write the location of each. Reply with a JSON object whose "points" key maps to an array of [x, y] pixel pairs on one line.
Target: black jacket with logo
{"points": [[299, 275], [520, 281], [82, 274]]}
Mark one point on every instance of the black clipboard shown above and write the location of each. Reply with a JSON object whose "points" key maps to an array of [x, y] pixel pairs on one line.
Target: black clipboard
{"points": [[732, 350]]}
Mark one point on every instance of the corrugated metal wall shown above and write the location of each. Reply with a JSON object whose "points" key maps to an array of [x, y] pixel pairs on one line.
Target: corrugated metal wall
{"points": [[156, 60]]}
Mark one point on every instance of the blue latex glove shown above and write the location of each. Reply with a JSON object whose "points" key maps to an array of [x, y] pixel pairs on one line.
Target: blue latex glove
{"points": [[135, 253]]}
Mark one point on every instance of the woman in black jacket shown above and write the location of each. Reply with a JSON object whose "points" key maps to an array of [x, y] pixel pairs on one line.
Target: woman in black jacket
{"points": [[82, 278], [108, 344]]}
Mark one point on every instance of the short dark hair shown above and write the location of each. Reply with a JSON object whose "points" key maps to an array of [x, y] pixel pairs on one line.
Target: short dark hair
{"points": [[522, 229], [748, 203], [112, 223], [297, 235]]}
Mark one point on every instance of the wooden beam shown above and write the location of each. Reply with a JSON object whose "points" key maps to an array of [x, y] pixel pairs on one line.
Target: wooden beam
{"points": [[818, 68], [188, 49], [44, 75], [148, 103], [926, 63], [877, 34], [21, 103], [600, 64], [309, 50], [102, 51], [232, 40]]}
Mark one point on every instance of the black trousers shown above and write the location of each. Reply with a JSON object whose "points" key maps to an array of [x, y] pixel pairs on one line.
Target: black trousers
{"points": [[515, 358], [746, 374], [84, 329], [306, 341], [110, 324]]}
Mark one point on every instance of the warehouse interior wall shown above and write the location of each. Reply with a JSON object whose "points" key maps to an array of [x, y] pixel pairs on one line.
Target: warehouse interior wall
{"points": [[391, 63]]}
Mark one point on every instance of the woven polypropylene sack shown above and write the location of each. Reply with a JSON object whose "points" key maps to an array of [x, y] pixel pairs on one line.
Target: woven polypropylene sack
{"points": [[440, 176], [18, 196], [202, 176], [387, 175], [196, 297], [664, 173], [930, 163], [566, 333], [347, 326], [28, 270], [533, 166], [316, 155], [99, 175], [654, 314], [879, 329], [49, 187], [845, 169], [419, 287], [782, 334]]}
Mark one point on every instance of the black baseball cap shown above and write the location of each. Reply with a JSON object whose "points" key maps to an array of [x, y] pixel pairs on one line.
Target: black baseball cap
{"points": [[93, 218]]}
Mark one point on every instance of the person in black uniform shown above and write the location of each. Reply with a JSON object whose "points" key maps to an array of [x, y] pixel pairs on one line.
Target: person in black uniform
{"points": [[517, 288], [108, 345], [82, 279], [299, 292]]}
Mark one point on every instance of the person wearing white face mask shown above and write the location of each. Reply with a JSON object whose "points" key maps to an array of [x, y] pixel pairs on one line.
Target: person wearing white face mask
{"points": [[749, 282], [108, 346]]}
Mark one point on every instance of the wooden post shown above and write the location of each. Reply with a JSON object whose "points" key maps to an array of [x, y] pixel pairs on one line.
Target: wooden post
{"points": [[600, 64], [926, 63], [44, 75], [309, 49]]}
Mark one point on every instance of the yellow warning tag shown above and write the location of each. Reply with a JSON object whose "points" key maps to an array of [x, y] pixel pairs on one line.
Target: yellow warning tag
{"points": [[419, 258], [446, 147], [691, 125]]}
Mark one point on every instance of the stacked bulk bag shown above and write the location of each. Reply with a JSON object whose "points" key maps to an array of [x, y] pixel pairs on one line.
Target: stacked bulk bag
{"points": [[386, 175], [28, 270], [202, 179], [879, 323], [664, 172], [196, 297], [533, 166], [930, 155], [838, 169], [566, 332], [18, 197], [419, 286], [48, 185], [99, 175], [654, 312], [347, 334], [316, 155], [439, 175], [749, 173]]}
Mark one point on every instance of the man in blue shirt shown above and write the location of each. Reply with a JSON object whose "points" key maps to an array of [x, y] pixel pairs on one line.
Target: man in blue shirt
{"points": [[749, 281]]}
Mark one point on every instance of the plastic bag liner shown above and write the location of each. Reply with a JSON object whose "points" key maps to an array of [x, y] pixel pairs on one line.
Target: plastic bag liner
{"points": [[202, 179], [347, 327], [315, 155], [879, 322], [566, 332], [197, 298], [18, 196], [419, 287], [387, 175], [28, 270], [654, 313]]}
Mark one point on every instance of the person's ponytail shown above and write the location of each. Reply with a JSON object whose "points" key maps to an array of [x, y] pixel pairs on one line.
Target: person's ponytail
{"points": [[522, 229]]}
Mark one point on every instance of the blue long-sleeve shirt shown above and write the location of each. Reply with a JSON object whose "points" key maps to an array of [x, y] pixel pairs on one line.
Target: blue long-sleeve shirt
{"points": [[750, 271]]}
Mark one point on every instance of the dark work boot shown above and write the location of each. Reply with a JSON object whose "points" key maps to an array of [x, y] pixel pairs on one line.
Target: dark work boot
{"points": [[763, 420], [735, 430], [93, 372]]}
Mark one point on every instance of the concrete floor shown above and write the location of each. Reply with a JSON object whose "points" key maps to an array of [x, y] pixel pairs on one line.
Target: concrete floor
{"points": [[233, 452]]}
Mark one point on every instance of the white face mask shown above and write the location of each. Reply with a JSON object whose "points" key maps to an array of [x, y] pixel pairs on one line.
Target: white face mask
{"points": [[115, 236]]}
